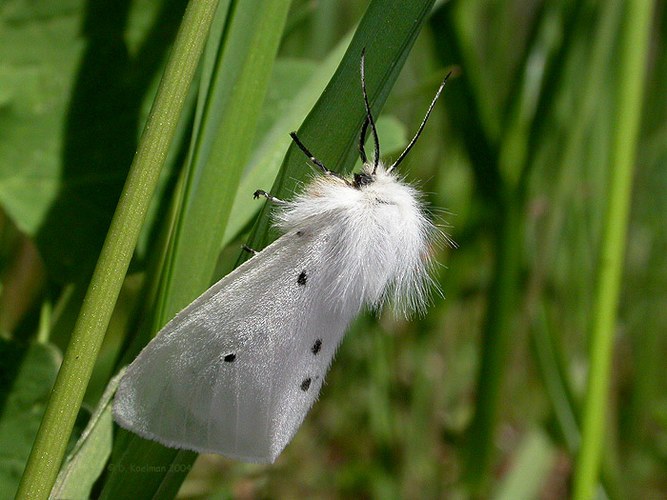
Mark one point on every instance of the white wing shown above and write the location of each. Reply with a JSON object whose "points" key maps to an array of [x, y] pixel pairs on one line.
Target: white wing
{"points": [[236, 371]]}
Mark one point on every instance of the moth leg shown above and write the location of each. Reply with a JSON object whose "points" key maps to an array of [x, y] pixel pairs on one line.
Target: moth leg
{"points": [[271, 198], [314, 160], [251, 251]]}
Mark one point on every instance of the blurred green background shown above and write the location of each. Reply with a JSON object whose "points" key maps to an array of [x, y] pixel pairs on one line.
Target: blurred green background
{"points": [[483, 396]]}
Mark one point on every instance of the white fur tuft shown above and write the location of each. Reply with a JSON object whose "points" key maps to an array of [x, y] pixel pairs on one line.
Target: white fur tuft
{"points": [[378, 236]]}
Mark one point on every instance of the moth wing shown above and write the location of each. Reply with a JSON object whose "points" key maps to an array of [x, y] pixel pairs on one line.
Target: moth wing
{"points": [[237, 370]]}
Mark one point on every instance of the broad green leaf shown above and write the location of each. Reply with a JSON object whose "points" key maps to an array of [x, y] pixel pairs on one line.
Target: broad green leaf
{"points": [[38, 62], [26, 378], [50, 445], [71, 111], [288, 78]]}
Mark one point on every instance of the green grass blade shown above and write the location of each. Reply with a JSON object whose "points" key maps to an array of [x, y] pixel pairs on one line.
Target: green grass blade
{"points": [[49, 448], [266, 160], [91, 452], [631, 70], [533, 461], [28, 374], [558, 385], [221, 149]]}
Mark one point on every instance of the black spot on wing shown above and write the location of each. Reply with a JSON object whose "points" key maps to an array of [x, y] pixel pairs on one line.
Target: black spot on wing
{"points": [[305, 385], [303, 277], [317, 346], [230, 358]]}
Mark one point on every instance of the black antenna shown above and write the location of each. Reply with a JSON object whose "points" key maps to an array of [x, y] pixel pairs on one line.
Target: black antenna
{"points": [[362, 140], [421, 127], [369, 116]]}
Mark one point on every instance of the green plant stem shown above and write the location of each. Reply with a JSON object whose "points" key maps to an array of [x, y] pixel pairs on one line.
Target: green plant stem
{"points": [[496, 339], [631, 73], [54, 432]]}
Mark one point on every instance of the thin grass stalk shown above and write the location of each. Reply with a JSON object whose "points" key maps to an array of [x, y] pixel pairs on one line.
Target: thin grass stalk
{"points": [[631, 69], [54, 432], [502, 298]]}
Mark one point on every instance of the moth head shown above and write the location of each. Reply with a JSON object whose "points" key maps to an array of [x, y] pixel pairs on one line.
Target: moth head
{"points": [[363, 179]]}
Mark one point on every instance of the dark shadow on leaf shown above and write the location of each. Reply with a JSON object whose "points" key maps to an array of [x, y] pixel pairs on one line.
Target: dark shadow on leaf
{"points": [[102, 127]]}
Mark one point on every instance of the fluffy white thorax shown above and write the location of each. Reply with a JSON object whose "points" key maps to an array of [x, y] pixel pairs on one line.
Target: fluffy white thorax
{"points": [[376, 238]]}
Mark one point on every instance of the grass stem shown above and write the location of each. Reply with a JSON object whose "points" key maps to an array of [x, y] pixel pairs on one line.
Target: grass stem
{"points": [[631, 70]]}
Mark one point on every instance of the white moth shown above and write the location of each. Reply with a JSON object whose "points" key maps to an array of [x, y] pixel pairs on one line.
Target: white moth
{"points": [[236, 371]]}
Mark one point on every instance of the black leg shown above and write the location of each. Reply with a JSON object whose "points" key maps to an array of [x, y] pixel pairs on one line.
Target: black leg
{"points": [[272, 199], [251, 251], [312, 158]]}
